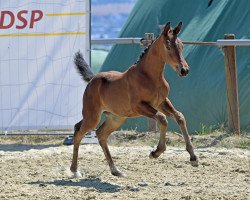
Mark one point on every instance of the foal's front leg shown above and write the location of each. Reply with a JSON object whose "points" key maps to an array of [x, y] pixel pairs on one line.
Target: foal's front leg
{"points": [[168, 109], [148, 111], [163, 124]]}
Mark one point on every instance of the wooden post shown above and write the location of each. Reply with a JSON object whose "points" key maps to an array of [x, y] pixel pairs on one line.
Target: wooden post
{"points": [[232, 87]]}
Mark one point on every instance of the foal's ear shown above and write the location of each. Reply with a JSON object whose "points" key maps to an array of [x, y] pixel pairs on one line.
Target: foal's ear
{"points": [[166, 29], [177, 29]]}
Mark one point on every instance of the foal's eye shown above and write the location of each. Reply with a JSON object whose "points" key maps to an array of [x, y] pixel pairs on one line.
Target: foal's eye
{"points": [[168, 44]]}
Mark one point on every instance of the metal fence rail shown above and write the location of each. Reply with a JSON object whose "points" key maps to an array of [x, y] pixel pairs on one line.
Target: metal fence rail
{"points": [[136, 40], [117, 41]]}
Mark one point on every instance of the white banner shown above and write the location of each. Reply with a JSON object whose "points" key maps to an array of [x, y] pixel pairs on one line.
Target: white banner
{"points": [[39, 86]]}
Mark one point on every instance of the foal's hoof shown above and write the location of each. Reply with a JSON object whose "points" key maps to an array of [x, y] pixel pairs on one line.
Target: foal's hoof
{"points": [[77, 174], [117, 173], [153, 155], [194, 161]]}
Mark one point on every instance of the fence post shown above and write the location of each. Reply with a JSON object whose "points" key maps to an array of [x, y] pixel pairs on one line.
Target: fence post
{"points": [[232, 87]]}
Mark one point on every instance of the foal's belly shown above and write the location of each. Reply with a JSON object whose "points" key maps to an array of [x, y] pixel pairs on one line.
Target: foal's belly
{"points": [[118, 102]]}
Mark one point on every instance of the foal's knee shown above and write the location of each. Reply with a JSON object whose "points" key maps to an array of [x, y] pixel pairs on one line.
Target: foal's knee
{"points": [[162, 120], [180, 118]]}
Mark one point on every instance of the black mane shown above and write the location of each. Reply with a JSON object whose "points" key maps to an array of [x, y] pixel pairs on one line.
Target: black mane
{"points": [[143, 53]]}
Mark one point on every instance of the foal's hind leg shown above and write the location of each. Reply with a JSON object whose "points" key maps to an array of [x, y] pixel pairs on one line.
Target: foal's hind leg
{"points": [[81, 128], [168, 109], [77, 139], [111, 123]]}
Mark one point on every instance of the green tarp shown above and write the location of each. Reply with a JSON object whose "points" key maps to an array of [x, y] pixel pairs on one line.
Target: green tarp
{"points": [[201, 96]]}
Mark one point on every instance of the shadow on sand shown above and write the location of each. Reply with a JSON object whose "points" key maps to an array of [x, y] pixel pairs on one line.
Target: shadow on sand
{"points": [[23, 147], [95, 183]]}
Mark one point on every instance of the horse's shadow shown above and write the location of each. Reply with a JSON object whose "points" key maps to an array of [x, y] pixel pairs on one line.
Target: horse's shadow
{"points": [[95, 183]]}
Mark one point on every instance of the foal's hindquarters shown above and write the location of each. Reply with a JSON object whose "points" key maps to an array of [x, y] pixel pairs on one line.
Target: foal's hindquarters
{"points": [[92, 110]]}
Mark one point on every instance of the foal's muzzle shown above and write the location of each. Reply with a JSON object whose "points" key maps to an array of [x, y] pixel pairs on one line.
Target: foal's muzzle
{"points": [[184, 71]]}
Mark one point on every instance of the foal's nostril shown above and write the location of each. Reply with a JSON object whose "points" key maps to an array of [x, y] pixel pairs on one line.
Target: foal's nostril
{"points": [[183, 72]]}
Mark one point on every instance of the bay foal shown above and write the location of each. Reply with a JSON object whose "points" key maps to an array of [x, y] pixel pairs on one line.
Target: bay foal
{"points": [[140, 91]]}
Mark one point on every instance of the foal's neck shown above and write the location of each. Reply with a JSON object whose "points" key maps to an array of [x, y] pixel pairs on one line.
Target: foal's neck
{"points": [[152, 63]]}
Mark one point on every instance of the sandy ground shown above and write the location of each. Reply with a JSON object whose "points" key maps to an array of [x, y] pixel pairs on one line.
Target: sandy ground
{"points": [[42, 172]]}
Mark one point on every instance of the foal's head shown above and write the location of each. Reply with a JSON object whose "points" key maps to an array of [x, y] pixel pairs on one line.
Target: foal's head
{"points": [[171, 49]]}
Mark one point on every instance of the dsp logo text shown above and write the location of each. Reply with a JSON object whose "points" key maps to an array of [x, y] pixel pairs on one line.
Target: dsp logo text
{"points": [[20, 20]]}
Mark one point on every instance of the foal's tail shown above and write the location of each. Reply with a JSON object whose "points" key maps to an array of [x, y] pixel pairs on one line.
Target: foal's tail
{"points": [[82, 67]]}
